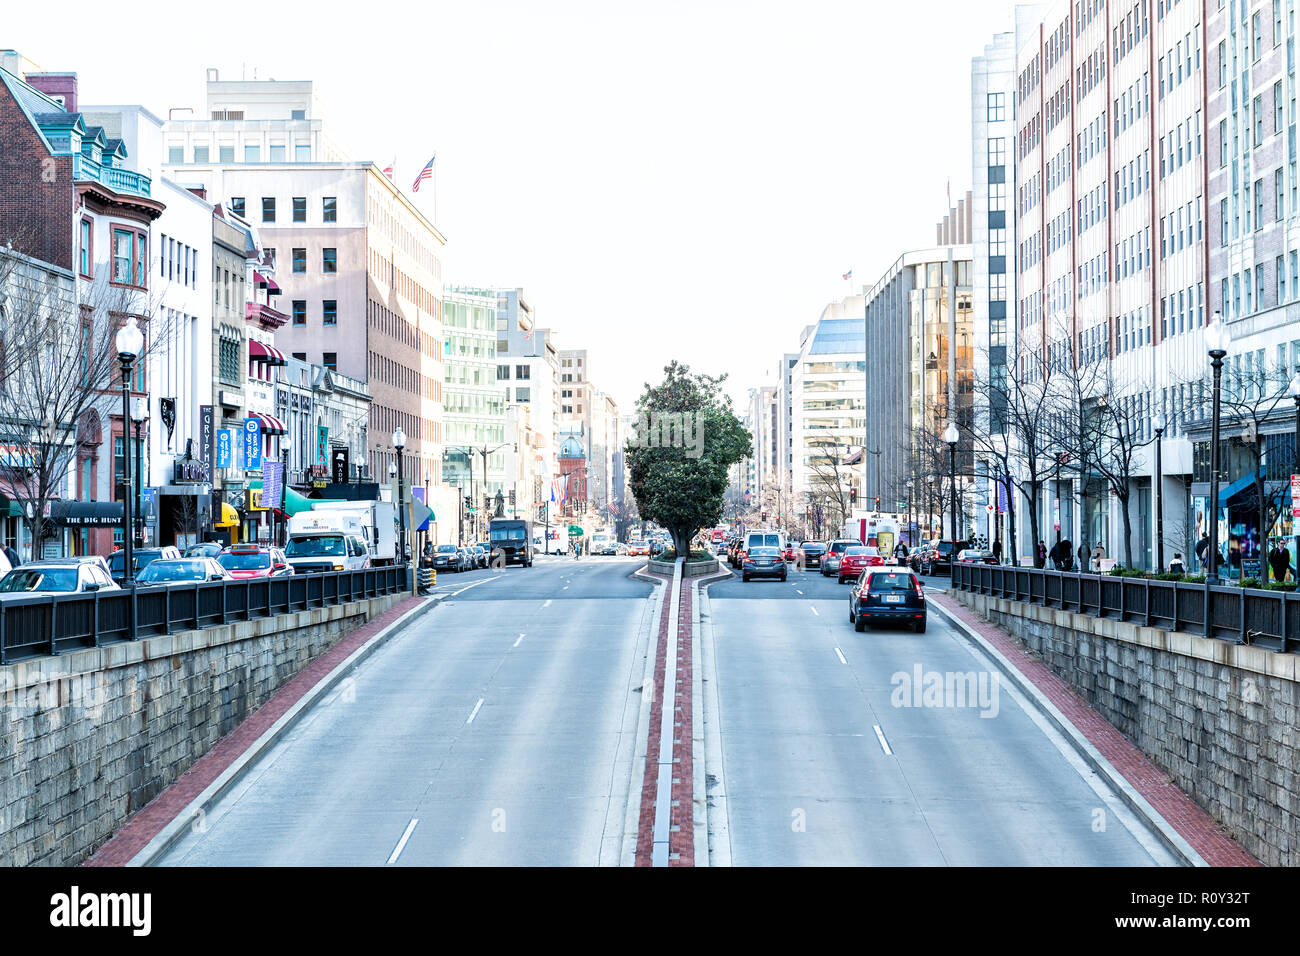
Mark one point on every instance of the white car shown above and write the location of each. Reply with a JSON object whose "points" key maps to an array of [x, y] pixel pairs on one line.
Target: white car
{"points": [[54, 576]]}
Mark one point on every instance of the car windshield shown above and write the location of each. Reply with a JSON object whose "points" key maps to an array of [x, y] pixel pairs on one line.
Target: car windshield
{"points": [[173, 571], [764, 553], [839, 546], [203, 551], [245, 561], [858, 551], [40, 579], [139, 559], [813, 544], [446, 549], [312, 546], [889, 582], [506, 534]]}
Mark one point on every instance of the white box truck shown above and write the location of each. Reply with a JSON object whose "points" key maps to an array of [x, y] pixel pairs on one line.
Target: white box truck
{"points": [[342, 535]]}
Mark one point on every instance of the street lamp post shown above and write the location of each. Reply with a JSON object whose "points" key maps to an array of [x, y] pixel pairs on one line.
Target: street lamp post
{"points": [[139, 415], [950, 435], [399, 442], [1158, 426], [1217, 339], [460, 513], [1294, 390], [129, 342], [929, 506], [427, 476]]}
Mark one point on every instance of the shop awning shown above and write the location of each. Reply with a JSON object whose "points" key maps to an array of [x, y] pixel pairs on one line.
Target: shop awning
{"points": [[271, 287], [229, 516], [270, 424], [265, 353], [1237, 487], [86, 514], [9, 507], [293, 501]]}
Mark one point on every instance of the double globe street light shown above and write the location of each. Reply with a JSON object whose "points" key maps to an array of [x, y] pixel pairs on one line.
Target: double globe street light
{"points": [[1217, 340], [1158, 426], [951, 435]]}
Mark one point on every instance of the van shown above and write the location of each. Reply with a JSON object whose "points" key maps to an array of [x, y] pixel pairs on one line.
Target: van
{"points": [[760, 538]]}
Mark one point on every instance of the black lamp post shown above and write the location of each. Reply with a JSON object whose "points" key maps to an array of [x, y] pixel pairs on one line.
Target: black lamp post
{"points": [[1217, 339], [130, 342], [399, 442], [139, 415], [950, 435], [1158, 426]]}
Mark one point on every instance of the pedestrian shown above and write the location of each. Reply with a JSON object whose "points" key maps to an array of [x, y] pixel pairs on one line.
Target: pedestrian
{"points": [[997, 550], [1067, 554], [1042, 554], [1098, 555], [900, 552], [1083, 556], [1176, 566], [1279, 561], [12, 556], [1203, 549]]}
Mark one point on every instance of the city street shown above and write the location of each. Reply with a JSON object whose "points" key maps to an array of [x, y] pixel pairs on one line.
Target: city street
{"points": [[499, 729], [806, 715], [501, 721]]}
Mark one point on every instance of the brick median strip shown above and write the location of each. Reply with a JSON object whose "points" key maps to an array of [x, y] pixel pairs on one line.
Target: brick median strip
{"points": [[681, 837], [649, 784], [134, 835], [1191, 822]]}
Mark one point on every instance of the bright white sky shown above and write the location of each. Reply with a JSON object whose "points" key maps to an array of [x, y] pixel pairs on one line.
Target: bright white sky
{"points": [[686, 179]]}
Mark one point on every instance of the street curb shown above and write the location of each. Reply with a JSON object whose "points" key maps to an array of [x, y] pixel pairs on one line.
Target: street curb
{"points": [[174, 830], [715, 822], [1164, 831], [640, 753]]}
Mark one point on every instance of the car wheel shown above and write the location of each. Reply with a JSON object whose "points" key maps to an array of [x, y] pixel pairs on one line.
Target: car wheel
{"points": [[919, 626], [783, 576], [860, 625], [746, 575], [852, 617]]}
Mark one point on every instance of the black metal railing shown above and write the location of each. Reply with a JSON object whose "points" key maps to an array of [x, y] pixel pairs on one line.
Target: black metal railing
{"points": [[1270, 619], [53, 624]]}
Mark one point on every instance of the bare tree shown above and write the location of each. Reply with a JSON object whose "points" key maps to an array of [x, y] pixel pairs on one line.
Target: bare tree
{"points": [[828, 483]]}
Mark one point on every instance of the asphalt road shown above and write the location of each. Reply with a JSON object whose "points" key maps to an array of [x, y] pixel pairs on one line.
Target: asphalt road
{"points": [[807, 708], [502, 721]]}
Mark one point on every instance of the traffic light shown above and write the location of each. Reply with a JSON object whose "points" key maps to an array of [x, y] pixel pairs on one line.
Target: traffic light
{"points": [[764, 515], [853, 496], [877, 502]]}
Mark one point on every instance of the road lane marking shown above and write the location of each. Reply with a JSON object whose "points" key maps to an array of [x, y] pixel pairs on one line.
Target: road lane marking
{"points": [[884, 744], [798, 591], [548, 603], [814, 610], [516, 644], [401, 844], [475, 713], [840, 655]]}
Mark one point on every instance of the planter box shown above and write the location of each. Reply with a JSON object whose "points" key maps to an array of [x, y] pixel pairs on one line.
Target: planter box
{"points": [[692, 569]]}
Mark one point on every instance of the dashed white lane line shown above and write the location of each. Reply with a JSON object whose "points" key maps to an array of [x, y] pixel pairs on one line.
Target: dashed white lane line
{"points": [[401, 844], [797, 591], [475, 712], [548, 603], [840, 655], [516, 643], [884, 744], [814, 610]]}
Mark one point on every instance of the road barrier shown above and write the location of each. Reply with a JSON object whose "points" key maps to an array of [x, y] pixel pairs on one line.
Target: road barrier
{"points": [[426, 578], [1269, 619], [55, 623]]}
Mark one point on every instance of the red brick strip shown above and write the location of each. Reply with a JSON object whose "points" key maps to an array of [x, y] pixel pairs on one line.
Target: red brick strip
{"points": [[148, 822], [681, 821], [1193, 824], [645, 834]]}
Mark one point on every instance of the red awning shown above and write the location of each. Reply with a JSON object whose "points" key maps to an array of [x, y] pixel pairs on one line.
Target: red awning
{"points": [[270, 424], [265, 353], [271, 287], [258, 278]]}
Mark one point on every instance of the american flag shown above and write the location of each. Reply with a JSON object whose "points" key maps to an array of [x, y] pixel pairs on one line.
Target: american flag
{"points": [[560, 489], [388, 170], [426, 173], [848, 275]]}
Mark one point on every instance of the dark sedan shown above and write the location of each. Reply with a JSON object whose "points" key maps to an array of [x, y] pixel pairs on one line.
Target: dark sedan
{"points": [[448, 557], [887, 595], [813, 552], [764, 562]]}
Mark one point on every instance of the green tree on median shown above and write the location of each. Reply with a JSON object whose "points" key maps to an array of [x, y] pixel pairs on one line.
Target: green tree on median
{"points": [[687, 437]]}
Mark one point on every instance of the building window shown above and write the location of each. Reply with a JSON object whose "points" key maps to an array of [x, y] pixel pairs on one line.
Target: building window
{"points": [[122, 255], [329, 260], [1258, 106], [252, 154], [330, 311], [997, 151], [299, 208], [277, 152], [200, 154], [997, 107], [522, 372], [299, 311], [268, 209], [523, 395], [85, 253], [330, 360], [302, 153], [228, 359], [226, 154], [503, 373], [330, 209], [237, 206], [175, 155], [1277, 194], [300, 356], [1259, 204], [300, 260]]}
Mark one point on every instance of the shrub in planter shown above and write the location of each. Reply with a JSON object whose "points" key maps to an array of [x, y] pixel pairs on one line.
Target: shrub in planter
{"points": [[1250, 582], [1169, 576], [1276, 586], [1194, 578]]}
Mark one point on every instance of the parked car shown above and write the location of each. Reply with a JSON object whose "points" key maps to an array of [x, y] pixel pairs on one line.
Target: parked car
{"points": [[620, 549], [468, 557], [939, 557], [813, 552], [447, 557], [482, 554], [140, 559], [56, 576], [856, 559], [184, 571], [764, 562], [887, 595], [976, 556], [205, 549], [831, 562], [253, 561]]}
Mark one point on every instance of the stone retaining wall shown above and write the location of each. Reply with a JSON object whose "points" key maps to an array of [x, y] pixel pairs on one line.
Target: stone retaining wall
{"points": [[1219, 718], [91, 736]]}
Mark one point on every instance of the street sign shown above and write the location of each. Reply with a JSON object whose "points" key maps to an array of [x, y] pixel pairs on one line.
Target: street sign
{"points": [[575, 531], [420, 512], [252, 443], [1295, 496], [225, 448]]}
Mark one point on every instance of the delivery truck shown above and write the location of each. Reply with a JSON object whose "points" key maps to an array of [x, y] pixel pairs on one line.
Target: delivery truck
{"points": [[342, 536]]}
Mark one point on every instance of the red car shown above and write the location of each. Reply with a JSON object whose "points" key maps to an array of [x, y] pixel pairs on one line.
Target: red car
{"points": [[856, 559], [790, 553], [252, 561]]}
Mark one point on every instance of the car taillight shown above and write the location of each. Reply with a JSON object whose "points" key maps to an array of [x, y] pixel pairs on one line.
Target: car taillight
{"points": [[920, 589]]}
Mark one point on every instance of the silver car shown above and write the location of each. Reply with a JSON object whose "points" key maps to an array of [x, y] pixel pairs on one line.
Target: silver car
{"points": [[56, 576], [183, 571]]}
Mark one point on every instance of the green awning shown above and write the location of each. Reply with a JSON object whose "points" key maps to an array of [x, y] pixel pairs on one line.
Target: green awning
{"points": [[9, 507], [293, 501]]}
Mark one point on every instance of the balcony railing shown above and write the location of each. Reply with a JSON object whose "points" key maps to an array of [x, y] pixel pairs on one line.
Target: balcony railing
{"points": [[117, 179]]}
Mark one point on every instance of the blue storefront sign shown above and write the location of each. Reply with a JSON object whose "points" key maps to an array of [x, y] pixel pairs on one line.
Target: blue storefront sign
{"points": [[225, 448], [252, 443]]}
